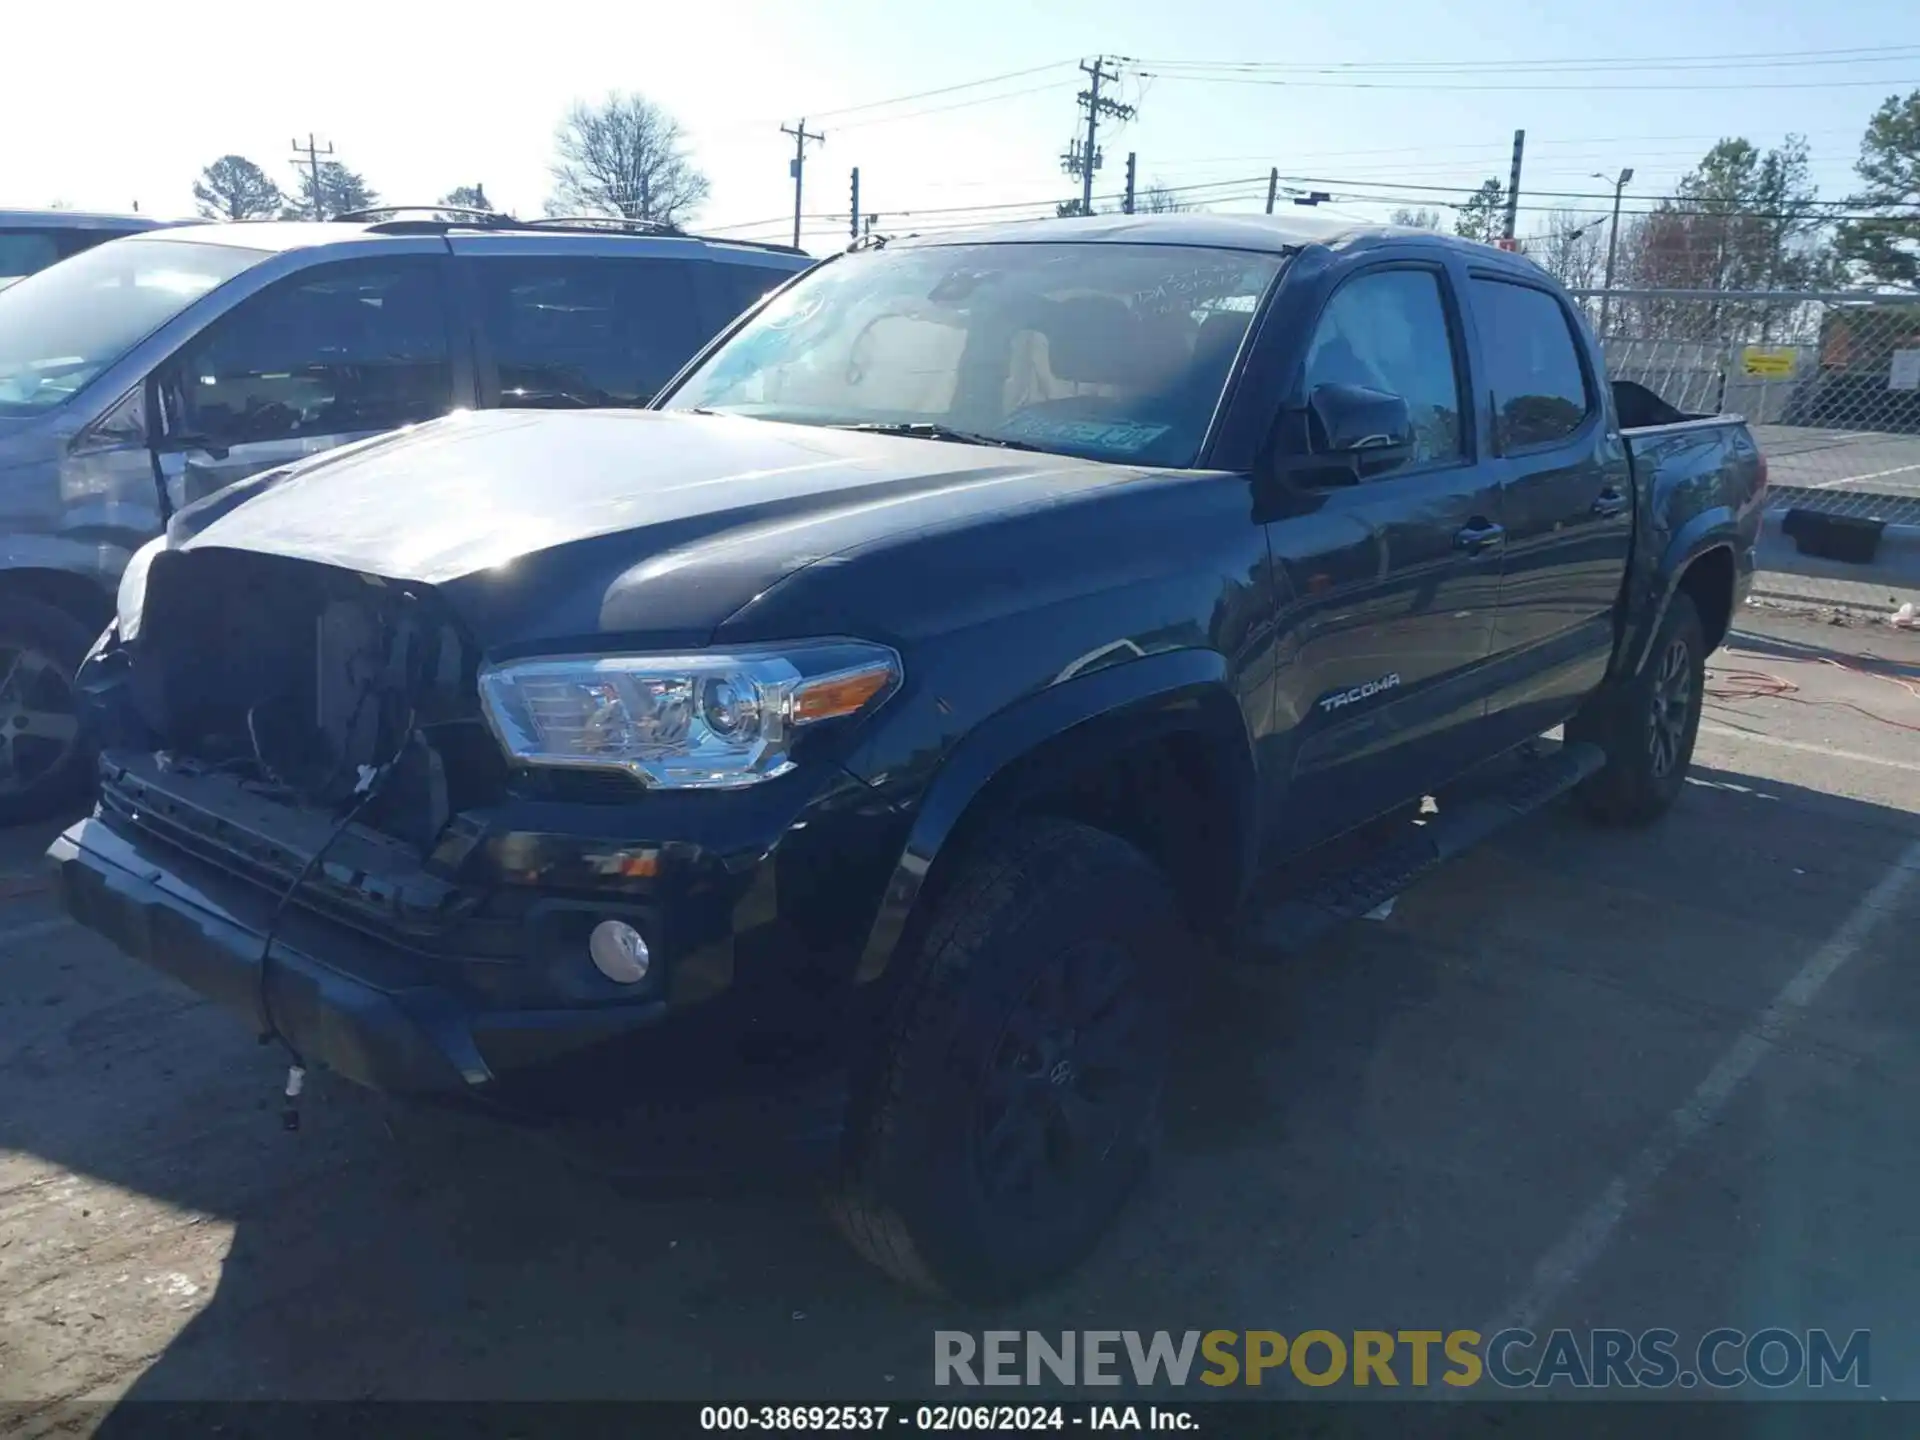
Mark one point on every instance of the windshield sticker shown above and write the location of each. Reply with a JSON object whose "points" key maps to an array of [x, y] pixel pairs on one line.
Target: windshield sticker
{"points": [[1124, 436]]}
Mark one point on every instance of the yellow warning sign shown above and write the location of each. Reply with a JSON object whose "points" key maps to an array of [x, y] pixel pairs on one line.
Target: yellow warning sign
{"points": [[1772, 361]]}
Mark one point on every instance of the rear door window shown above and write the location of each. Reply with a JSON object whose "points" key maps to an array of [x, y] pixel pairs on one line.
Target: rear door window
{"points": [[337, 350], [1540, 393], [568, 332], [736, 288], [24, 251]]}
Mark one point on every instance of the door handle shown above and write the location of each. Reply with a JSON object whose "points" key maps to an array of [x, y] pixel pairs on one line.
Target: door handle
{"points": [[1610, 503], [1479, 535]]}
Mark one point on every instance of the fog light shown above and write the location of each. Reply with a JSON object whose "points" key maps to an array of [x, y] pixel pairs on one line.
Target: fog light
{"points": [[619, 952]]}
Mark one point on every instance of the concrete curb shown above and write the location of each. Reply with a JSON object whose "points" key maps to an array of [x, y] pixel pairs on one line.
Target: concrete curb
{"points": [[1895, 564]]}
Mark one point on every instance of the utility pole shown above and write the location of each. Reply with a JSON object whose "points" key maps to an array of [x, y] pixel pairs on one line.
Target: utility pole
{"points": [[1613, 242], [1513, 187], [1083, 157], [797, 167], [1273, 187], [313, 154], [1126, 204], [853, 215]]}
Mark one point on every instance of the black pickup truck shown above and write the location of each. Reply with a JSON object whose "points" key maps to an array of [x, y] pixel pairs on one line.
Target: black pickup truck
{"points": [[912, 695]]}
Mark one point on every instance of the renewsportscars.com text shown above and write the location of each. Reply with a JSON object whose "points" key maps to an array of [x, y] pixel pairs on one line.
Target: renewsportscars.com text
{"points": [[1655, 1359]]}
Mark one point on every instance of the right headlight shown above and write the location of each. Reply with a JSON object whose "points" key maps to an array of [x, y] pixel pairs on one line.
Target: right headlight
{"points": [[713, 720]]}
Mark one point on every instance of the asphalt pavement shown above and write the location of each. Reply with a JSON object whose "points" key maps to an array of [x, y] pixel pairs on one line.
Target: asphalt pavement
{"points": [[1841, 459], [1580, 1077]]}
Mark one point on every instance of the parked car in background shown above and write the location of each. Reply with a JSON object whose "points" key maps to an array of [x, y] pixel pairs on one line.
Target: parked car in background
{"points": [[959, 637], [31, 240], [147, 373]]}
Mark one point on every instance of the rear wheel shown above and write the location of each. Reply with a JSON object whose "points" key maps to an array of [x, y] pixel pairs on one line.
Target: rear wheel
{"points": [[1011, 1109], [1647, 726], [44, 760]]}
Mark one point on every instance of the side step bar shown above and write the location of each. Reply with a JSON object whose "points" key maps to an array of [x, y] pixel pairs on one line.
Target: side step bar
{"points": [[1298, 920]]}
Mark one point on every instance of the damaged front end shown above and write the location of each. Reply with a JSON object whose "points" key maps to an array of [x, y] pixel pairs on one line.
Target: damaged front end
{"points": [[313, 733], [306, 815], [296, 684]]}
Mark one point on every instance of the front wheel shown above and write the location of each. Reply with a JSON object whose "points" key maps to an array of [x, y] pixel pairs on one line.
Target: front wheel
{"points": [[45, 764], [1011, 1109], [1647, 725]]}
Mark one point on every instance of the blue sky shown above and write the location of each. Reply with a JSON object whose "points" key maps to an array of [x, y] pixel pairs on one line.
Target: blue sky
{"points": [[421, 98]]}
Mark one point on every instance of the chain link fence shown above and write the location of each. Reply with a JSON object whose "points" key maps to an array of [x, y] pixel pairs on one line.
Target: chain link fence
{"points": [[1830, 382]]}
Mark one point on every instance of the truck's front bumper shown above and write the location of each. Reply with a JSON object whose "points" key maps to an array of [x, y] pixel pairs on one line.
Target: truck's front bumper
{"points": [[330, 992]]}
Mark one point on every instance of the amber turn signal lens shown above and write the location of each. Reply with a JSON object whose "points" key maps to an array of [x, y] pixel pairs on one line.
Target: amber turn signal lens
{"points": [[840, 694]]}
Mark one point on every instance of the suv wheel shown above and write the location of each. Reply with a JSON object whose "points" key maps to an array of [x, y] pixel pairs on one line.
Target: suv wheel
{"points": [[1011, 1109], [44, 762], [1647, 726]]}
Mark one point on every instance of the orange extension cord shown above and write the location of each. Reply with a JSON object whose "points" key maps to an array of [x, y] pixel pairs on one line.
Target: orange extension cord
{"points": [[1762, 685]]}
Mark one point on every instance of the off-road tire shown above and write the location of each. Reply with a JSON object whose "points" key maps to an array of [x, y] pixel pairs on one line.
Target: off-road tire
{"points": [[917, 1192], [47, 637], [1647, 724]]}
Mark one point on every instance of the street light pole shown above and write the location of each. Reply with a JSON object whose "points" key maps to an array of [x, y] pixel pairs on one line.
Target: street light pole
{"points": [[1613, 242]]}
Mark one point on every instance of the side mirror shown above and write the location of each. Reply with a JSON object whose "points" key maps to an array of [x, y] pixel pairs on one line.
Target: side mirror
{"points": [[1372, 426]]}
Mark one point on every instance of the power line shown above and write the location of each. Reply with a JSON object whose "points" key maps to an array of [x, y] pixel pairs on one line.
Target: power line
{"points": [[942, 90], [958, 105], [1489, 89], [1735, 60], [1401, 150]]}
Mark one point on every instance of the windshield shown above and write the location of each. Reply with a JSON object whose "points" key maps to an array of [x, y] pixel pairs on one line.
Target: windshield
{"points": [[63, 325], [1114, 352]]}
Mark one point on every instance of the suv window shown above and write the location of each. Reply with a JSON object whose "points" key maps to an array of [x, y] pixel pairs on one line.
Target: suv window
{"points": [[337, 350], [736, 287], [588, 330], [1389, 331], [1539, 388], [24, 251]]}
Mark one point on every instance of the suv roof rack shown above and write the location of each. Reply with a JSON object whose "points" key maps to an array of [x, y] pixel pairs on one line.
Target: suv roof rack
{"points": [[383, 215], [608, 222], [436, 219]]}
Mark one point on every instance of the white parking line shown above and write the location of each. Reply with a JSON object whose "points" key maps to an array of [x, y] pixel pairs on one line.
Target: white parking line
{"points": [[1564, 1265], [1827, 751], [33, 930], [1855, 479]]}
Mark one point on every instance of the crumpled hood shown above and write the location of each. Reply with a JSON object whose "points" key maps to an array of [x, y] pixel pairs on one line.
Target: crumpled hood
{"points": [[548, 526]]}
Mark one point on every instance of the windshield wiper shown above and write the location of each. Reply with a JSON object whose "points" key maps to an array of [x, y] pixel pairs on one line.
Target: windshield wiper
{"points": [[933, 430]]}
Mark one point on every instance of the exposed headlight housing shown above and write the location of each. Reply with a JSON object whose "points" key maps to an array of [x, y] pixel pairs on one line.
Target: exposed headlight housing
{"points": [[132, 597], [710, 721]]}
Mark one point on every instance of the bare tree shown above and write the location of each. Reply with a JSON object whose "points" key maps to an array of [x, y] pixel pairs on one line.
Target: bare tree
{"points": [[624, 156], [1421, 219], [1572, 248], [234, 188], [1159, 199]]}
